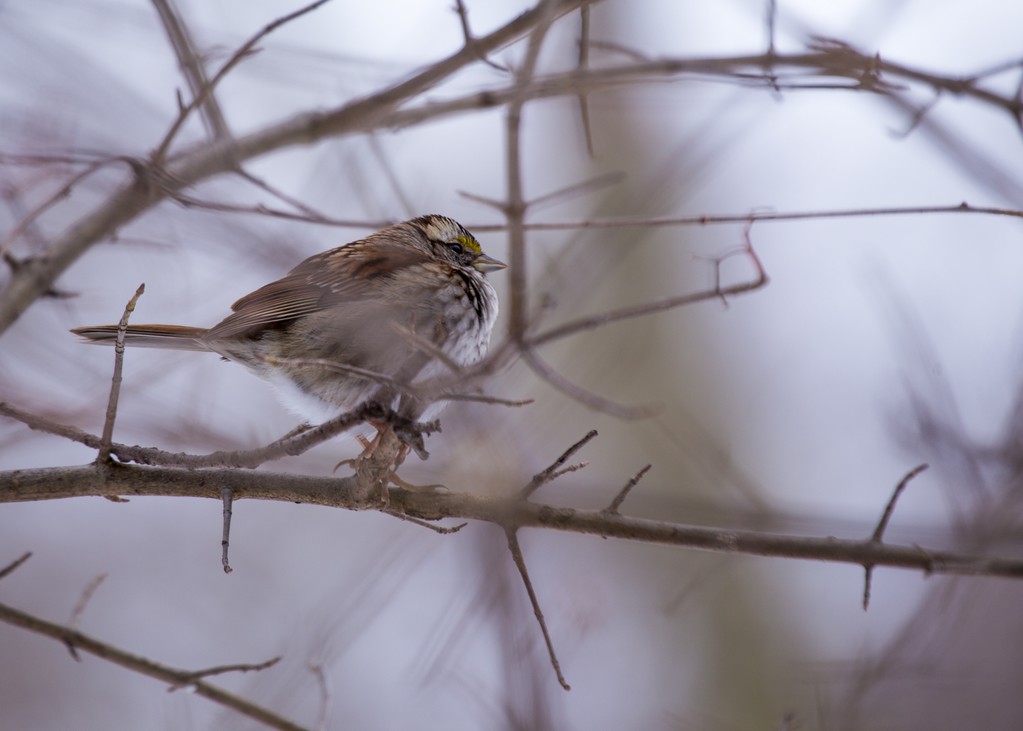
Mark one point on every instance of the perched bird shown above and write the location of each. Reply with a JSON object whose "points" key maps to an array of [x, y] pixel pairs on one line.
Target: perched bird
{"points": [[404, 304]]}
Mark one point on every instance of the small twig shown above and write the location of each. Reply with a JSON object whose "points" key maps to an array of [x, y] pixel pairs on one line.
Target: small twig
{"points": [[76, 613], [469, 38], [442, 530], [583, 62], [189, 679], [83, 600], [629, 53], [612, 509], [520, 564], [192, 68], [288, 446], [227, 498], [308, 213], [882, 525], [886, 516], [144, 666], [668, 303], [115, 382], [515, 205], [262, 209], [64, 191], [542, 478], [325, 698], [772, 21], [243, 51], [483, 399], [580, 394], [13, 566], [576, 190]]}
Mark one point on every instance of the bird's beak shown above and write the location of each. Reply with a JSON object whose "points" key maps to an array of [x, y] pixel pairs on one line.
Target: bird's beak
{"points": [[484, 263]]}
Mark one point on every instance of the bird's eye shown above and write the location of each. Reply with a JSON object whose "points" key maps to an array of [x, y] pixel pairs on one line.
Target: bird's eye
{"points": [[457, 248]]}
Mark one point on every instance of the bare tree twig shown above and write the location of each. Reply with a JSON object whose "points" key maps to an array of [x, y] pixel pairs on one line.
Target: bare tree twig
{"points": [[469, 38], [83, 600], [13, 566], [227, 497], [668, 303], [222, 669], [569, 192], [192, 67], [520, 564], [115, 382], [580, 394], [201, 96], [439, 529], [65, 190], [583, 62], [624, 492], [291, 445], [882, 525], [542, 478], [76, 613], [325, 698], [144, 666]]}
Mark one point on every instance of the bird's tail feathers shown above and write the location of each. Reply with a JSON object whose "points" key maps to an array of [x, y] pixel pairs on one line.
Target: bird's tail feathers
{"points": [[176, 337]]}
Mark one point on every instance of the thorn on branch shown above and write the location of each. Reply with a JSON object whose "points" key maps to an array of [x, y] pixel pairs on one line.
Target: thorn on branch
{"points": [[83, 600], [520, 564], [552, 472], [612, 509], [227, 497], [79, 609], [882, 525], [469, 38]]}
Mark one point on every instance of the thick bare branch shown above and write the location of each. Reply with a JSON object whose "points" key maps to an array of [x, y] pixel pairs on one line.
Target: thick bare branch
{"points": [[64, 482]]}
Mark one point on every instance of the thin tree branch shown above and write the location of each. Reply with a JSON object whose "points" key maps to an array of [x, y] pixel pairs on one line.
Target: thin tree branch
{"points": [[520, 564], [293, 444], [192, 67], [204, 92], [582, 63], [624, 492], [584, 396], [882, 525], [13, 566], [144, 666], [115, 382], [542, 478], [65, 190], [589, 323]]}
